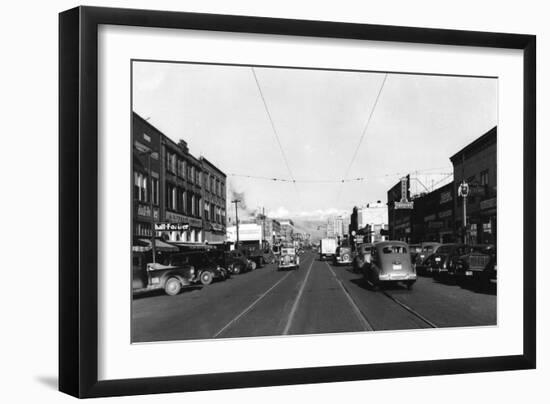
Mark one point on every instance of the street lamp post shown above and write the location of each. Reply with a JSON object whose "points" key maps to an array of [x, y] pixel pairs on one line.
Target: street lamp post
{"points": [[463, 191]]}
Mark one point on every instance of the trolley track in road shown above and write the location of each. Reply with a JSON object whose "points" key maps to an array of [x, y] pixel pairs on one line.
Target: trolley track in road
{"points": [[406, 307]]}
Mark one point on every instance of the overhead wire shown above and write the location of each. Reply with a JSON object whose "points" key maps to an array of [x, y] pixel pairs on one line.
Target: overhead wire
{"points": [[275, 131], [367, 123]]}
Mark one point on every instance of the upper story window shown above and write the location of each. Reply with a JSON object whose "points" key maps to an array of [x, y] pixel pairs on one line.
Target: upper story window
{"points": [[140, 187], [171, 162], [484, 177]]}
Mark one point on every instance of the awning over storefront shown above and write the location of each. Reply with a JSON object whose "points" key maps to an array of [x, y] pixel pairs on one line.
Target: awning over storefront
{"points": [[145, 245]]}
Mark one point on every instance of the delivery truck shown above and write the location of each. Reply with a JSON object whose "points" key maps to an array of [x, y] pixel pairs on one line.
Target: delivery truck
{"points": [[327, 248]]}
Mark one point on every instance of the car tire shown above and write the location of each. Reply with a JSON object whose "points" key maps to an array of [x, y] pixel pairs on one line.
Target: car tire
{"points": [[206, 277], [410, 285], [172, 286]]}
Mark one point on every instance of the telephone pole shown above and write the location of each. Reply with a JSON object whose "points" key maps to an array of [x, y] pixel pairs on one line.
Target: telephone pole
{"points": [[236, 201]]}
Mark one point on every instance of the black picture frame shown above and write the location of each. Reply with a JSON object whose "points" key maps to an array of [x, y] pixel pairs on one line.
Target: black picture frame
{"points": [[78, 195]]}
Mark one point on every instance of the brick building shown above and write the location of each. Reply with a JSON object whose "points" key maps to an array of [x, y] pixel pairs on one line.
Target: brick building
{"points": [[476, 164], [181, 195]]}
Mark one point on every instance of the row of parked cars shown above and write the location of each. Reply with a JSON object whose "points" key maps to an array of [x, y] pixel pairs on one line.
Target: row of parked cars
{"points": [[397, 261], [455, 261], [173, 271]]}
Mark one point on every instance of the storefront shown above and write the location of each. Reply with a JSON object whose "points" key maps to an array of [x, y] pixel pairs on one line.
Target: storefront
{"points": [[193, 232]]}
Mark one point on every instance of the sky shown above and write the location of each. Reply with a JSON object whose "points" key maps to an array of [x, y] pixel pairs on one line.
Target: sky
{"points": [[316, 127]]}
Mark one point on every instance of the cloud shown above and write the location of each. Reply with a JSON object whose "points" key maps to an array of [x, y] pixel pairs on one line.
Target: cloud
{"points": [[319, 214]]}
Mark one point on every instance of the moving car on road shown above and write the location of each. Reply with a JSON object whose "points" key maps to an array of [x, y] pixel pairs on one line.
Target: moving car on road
{"points": [[171, 276], [362, 257], [288, 258], [391, 263]]}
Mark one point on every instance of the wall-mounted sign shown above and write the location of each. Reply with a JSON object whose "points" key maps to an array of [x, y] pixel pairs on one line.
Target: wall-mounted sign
{"points": [[177, 218], [403, 205], [445, 197], [166, 226], [477, 190], [145, 211], [437, 224], [445, 213], [488, 203]]}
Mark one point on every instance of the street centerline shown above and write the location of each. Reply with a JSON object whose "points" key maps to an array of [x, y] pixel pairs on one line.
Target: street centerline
{"points": [[297, 300]]}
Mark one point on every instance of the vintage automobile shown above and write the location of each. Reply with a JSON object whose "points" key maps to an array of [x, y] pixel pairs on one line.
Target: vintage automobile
{"points": [[207, 269], [390, 263], [236, 262], [288, 258], [342, 256], [477, 265], [442, 264], [362, 257], [415, 250], [422, 263], [171, 277]]}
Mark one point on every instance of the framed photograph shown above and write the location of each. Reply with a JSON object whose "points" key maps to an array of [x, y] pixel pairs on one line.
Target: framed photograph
{"points": [[250, 201]]}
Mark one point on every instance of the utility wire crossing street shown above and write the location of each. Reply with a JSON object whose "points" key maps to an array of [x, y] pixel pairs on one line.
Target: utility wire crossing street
{"points": [[317, 298]]}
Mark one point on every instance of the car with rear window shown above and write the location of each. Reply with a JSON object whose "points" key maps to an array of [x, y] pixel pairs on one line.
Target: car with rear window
{"points": [[422, 262], [390, 263], [477, 265], [288, 258], [442, 264]]}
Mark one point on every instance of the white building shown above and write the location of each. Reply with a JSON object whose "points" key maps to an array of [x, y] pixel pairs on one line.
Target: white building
{"points": [[374, 217]]}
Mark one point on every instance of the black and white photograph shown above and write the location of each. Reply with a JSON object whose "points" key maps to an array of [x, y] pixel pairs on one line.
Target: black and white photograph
{"points": [[274, 201]]}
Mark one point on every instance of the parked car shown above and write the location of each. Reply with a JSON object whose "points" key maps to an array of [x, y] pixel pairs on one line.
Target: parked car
{"points": [[442, 264], [391, 263], [288, 258], [206, 268], [422, 263], [478, 264], [171, 276], [342, 256], [237, 262], [362, 257]]}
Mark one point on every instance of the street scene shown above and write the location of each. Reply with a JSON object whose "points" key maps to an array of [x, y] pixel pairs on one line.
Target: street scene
{"points": [[274, 201]]}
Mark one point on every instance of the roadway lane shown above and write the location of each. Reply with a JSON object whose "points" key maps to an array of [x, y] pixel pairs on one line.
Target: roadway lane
{"points": [[324, 306], [444, 305], [200, 312], [317, 298]]}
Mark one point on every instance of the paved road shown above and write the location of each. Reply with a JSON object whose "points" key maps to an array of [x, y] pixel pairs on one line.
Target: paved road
{"points": [[317, 298]]}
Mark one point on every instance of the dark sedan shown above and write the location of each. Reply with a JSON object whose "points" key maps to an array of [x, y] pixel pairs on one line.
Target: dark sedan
{"points": [[478, 264], [443, 263]]}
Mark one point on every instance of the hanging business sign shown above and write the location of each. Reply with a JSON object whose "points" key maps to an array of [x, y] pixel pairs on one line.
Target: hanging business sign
{"points": [[404, 203]]}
